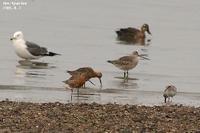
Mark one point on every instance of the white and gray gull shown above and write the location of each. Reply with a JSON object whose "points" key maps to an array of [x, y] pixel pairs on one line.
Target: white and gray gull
{"points": [[28, 50]]}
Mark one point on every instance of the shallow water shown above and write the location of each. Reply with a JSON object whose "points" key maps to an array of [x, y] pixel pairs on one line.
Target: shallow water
{"points": [[84, 33]]}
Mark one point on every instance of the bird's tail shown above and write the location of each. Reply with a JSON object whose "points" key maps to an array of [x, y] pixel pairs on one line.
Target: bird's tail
{"points": [[52, 54]]}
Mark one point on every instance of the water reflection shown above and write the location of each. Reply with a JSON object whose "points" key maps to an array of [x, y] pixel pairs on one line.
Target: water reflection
{"points": [[145, 43], [84, 94], [27, 64], [126, 83], [28, 68]]}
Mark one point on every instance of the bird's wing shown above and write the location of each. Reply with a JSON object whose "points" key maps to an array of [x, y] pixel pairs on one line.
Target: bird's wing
{"points": [[85, 70], [35, 49], [125, 60], [129, 31]]}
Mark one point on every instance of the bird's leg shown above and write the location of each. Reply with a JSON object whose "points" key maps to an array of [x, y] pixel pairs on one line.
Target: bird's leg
{"points": [[127, 74], [171, 99], [71, 94], [124, 74]]}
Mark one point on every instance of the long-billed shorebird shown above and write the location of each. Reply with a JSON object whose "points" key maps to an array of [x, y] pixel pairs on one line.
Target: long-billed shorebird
{"points": [[133, 35], [75, 82], [28, 50], [88, 72], [127, 63], [170, 91]]}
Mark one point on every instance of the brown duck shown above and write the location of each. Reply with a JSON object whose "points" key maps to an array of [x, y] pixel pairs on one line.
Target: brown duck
{"points": [[88, 72], [133, 35]]}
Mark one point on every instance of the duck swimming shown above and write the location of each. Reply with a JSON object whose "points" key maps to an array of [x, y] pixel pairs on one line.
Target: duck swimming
{"points": [[133, 35]]}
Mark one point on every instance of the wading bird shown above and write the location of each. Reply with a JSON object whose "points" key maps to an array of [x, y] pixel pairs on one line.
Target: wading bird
{"points": [[88, 72], [28, 50], [127, 63]]}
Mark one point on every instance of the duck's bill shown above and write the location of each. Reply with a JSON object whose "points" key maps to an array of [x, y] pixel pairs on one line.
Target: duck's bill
{"points": [[148, 31], [91, 82], [143, 56]]}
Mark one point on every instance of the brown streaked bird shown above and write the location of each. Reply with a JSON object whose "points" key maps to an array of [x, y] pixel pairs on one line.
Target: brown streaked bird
{"points": [[133, 35], [170, 91], [127, 63], [88, 72], [76, 81]]}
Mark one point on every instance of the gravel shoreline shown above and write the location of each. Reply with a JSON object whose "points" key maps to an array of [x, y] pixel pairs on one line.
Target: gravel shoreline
{"points": [[59, 117]]}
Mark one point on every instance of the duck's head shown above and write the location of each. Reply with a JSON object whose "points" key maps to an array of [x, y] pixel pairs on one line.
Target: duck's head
{"points": [[17, 36], [145, 27]]}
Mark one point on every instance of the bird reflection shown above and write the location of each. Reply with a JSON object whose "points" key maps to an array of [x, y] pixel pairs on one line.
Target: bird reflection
{"points": [[27, 68], [21, 72], [27, 64]]}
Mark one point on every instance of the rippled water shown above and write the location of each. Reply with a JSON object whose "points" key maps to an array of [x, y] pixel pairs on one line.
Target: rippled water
{"points": [[83, 31]]}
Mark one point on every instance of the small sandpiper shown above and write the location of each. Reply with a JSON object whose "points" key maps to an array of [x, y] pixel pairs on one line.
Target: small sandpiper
{"points": [[127, 63], [170, 91]]}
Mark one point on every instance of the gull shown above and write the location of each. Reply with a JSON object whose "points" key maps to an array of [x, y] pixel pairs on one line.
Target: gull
{"points": [[127, 63], [28, 50]]}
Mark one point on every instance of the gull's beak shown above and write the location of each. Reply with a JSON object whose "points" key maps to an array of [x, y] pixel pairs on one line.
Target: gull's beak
{"points": [[143, 56], [100, 81], [12, 38], [91, 82]]}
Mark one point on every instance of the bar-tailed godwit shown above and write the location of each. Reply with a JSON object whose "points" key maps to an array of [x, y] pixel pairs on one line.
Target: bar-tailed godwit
{"points": [[88, 72]]}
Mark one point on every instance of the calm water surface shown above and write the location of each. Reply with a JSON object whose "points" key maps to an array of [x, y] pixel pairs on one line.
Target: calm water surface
{"points": [[83, 31]]}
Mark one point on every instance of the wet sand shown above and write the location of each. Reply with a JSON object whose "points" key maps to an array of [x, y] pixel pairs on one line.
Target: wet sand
{"points": [[58, 117]]}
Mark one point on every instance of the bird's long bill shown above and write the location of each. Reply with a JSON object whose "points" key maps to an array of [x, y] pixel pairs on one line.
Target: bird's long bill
{"points": [[100, 82], [143, 56], [91, 82], [148, 31]]}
